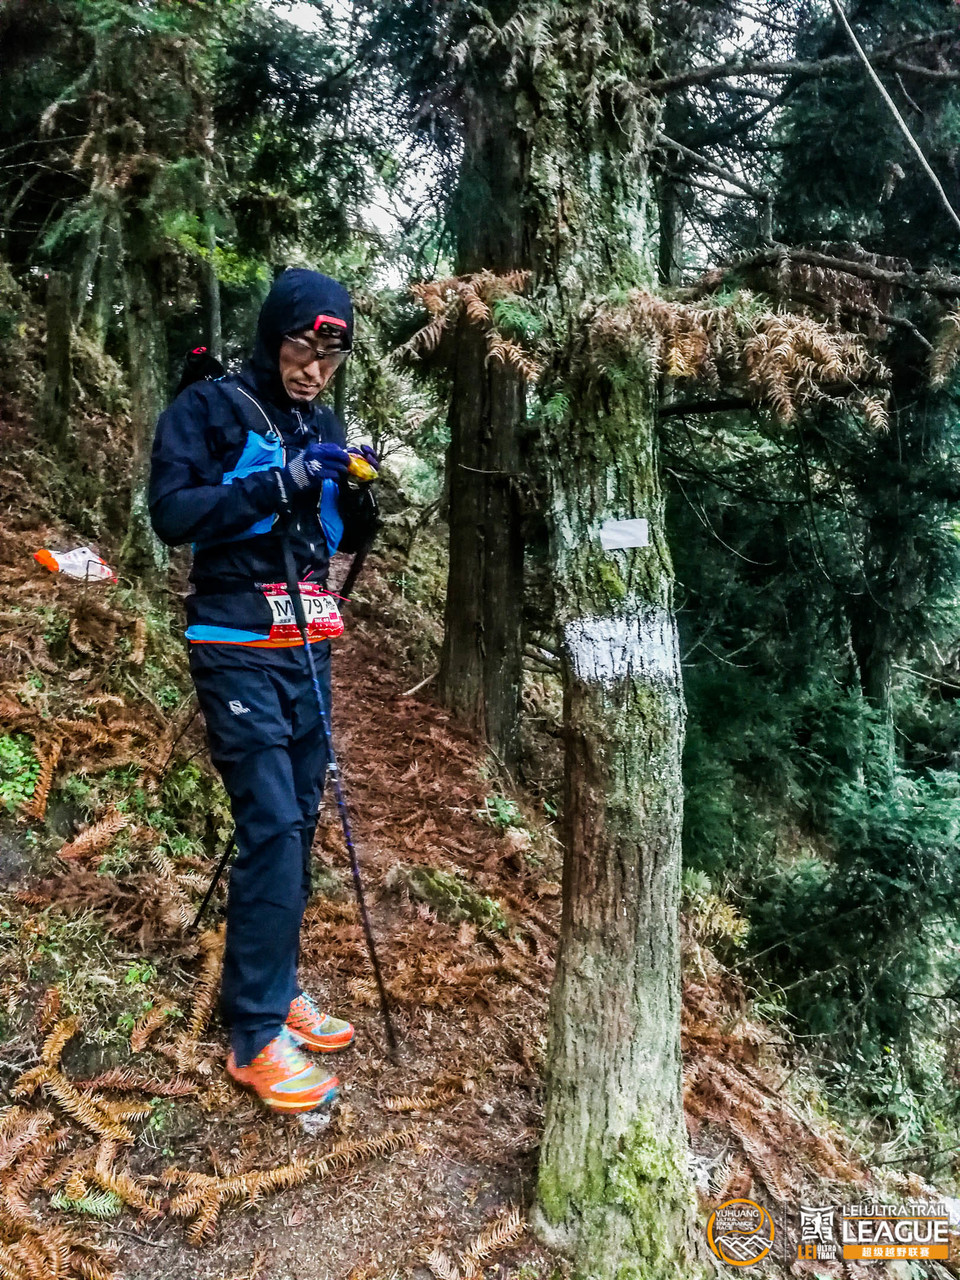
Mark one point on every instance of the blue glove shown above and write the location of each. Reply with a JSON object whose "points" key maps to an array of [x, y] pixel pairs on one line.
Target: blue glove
{"points": [[367, 454], [317, 463]]}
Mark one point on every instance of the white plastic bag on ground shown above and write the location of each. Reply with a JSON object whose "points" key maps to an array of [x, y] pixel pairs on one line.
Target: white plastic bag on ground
{"points": [[80, 563]]}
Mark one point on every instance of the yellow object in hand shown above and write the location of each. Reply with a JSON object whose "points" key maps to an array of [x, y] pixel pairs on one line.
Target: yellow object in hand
{"points": [[360, 469]]}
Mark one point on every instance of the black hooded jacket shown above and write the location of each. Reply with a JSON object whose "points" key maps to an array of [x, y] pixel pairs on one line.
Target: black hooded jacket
{"points": [[200, 439]]}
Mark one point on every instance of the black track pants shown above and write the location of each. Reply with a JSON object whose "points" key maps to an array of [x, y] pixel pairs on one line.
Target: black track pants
{"points": [[266, 739]]}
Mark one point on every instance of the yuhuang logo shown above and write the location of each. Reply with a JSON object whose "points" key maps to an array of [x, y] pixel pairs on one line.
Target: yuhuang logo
{"points": [[740, 1232]]}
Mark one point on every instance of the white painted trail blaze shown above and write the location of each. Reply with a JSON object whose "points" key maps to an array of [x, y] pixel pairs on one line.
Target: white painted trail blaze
{"points": [[617, 535], [642, 645]]}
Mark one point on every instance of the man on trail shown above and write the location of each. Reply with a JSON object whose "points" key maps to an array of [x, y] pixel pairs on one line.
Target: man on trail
{"points": [[239, 467]]}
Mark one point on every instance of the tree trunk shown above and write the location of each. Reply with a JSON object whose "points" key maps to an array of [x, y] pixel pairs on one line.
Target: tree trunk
{"points": [[105, 281], [613, 1187], [85, 268], [670, 247], [212, 296], [58, 375], [612, 1181], [142, 553], [480, 666]]}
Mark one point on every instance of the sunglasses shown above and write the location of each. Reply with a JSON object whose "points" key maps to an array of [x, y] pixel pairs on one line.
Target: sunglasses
{"points": [[305, 352]]}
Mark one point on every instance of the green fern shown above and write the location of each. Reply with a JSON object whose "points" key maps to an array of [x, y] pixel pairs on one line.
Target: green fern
{"points": [[97, 1204]]}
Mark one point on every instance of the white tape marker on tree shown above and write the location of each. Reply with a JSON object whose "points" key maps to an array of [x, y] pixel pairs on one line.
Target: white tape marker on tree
{"points": [[643, 646], [615, 535]]}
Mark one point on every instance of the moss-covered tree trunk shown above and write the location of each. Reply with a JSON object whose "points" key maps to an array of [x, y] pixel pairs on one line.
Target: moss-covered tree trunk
{"points": [[142, 554], [58, 375], [613, 1185], [480, 671], [613, 1188]]}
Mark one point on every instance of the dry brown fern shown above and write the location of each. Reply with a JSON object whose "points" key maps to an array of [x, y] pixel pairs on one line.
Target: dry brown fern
{"points": [[126, 1080], [37, 806], [151, 1021], [83, 1109], [429, 1100], [204, 993], [96, 837], [946, 351], [441, 1264], [55, 1043], [49, 1010], [491, 1240], [139, 649], [202, 1195], [784, 360], [470, 295], [109, 1178]]}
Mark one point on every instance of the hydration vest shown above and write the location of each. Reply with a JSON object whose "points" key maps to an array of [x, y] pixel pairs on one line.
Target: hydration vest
{"points": [[263, 450]]}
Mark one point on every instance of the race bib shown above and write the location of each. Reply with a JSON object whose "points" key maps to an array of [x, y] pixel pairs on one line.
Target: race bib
{"points": [[323, 617]]}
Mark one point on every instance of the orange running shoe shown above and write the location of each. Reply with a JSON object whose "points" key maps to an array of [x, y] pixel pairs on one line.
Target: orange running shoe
{"points": [[284, 1078], [317, 1030]]}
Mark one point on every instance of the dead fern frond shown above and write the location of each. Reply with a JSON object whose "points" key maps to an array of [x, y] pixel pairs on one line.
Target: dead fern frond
{"points": [[493, 1239], [151, 1021], [56, 1041], [120, 1184], [429, 1100], [204, 993], [90, 1264], [139, 650], [442, 1266], [345, 1154], [84, 1110], [27, 1084], [875, 413], [23, 1129], [205, 1222], [96, 837], [424, 340], [49, 1009], [203, 1196], [946, 349], [477, 310], [37, 807], [126, 1080]]}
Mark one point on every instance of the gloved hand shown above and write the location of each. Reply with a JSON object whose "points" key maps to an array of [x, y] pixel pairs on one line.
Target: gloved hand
{"points": [[317, 463], [366, 452]]}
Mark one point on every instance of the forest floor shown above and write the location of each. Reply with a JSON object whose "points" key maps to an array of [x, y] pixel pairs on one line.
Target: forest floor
{"points": [[124, 1150]]}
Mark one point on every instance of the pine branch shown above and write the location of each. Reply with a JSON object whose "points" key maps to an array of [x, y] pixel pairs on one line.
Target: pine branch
{"points": [[816, 69], [939, 285]]}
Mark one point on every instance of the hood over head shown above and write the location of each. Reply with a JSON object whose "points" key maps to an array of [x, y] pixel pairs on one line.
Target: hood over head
{"points": [[299, 299]]}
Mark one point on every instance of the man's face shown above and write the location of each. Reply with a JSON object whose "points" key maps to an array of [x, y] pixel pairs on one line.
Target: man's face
{"points": [[307, 363]]}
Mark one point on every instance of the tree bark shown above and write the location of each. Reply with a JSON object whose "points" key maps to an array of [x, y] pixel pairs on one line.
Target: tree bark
{"points": [[211, 285], [58, 375], [142, 553], [481, 661], [612, 1180]]}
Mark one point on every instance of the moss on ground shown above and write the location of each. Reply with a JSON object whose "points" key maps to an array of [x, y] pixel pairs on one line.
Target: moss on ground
{"points": [[453, 899]]}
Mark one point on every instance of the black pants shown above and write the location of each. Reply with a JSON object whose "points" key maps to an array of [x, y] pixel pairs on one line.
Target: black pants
{"points": [[266, 739]]}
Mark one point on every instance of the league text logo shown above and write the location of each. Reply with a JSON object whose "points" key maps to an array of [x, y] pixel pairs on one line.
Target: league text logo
{"points": [[894, 1231]]}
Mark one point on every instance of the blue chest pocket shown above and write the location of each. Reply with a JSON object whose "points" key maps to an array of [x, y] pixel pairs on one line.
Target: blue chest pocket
{"points": [[330, 516]]}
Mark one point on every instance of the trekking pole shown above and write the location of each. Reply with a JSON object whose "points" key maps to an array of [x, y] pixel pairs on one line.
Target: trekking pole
{"points": [[293, 586], [231, 845]]}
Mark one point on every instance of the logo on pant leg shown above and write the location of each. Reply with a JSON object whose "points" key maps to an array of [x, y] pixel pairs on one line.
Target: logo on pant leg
{"points": [[237, 707]]}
